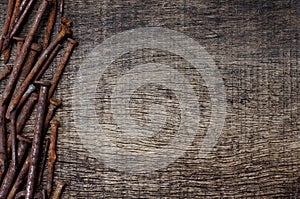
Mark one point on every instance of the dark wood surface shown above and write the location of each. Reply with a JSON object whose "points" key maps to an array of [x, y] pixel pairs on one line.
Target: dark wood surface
{"points": [[255, 44]]}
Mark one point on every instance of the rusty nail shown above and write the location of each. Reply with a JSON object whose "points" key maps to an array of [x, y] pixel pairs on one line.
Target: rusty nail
{"points": [[52, 154], [20, 42], [53, 106], [50, 25], [21, 194], [7, 52], [37, 138], [65, 31], [3, 154], [5, 28], [26, 111], [59, 189], [58, 73], [43, 162], [16, 26], [24, 98], [25, 48], [12, 170], [48, 62], [13, 133], [61, 12], [5, 72]]}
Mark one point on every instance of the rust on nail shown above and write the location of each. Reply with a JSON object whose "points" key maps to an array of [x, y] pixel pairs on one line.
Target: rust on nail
{"points": [[50, 25], [63, 62], [3, 154], [48, 62], [53, 106], [43, 163], [59, 189], [13, 133], [26, 111], [37, 138], [7, 52], [5, 29], [5, 72], [52, 154]]}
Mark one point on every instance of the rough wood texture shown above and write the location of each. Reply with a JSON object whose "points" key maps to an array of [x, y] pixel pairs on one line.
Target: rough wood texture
{"points": [[255, 44]]}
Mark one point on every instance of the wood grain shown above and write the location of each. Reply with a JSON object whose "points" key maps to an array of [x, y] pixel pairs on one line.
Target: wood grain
{"points": [[255, 45]]}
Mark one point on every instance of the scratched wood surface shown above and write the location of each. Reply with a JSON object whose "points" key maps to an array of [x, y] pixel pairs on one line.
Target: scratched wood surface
{"points": [[255, 45]]}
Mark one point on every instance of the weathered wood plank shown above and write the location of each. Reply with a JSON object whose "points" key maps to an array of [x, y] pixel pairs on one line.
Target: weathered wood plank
{"points": [[255, 45]]}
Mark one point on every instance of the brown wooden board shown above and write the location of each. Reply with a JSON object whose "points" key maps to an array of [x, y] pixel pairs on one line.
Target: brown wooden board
{"points": [[255, 45]]}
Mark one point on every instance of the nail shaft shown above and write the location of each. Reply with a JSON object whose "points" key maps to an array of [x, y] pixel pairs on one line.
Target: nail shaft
{"points": [[53, 106], [5, 29], [13, 133], [24, 98], [43, 163], [59, 189], [37, 139], [26, 111], [3, 154], [7, 52], [25, 48], [64, 60], [5, 72], [48, 62], [50, 25], [52, 154]]}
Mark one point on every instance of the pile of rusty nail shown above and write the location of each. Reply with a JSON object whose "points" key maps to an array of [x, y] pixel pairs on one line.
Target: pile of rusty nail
{"points": [[22, 159]]}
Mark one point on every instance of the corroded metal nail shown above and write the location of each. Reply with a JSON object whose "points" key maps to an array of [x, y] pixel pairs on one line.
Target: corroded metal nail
{"points": [[25, 48], [43, 163], [20, 179], [59, 189], [5, 29], [24, 98], [3, 154], [26, 111], [50, 25], [53, 106], [37, 139], [48, 62], [20, 195], [16, 26], [61, 11], [20, 42], [5, 72], [13, 133], [7, 52], [52, 154], [63, 62], [12, 170], [65, 31], [39, 195]]}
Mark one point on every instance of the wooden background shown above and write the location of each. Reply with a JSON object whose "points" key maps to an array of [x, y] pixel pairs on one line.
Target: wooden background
{"points": [[255, 44]]}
